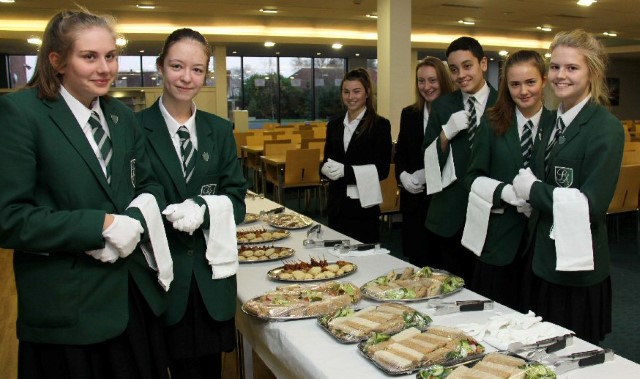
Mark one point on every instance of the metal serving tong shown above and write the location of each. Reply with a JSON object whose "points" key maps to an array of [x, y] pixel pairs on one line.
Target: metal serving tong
{"points": [[565, 363], [272, 211], [445, 308], [347, 247], [317, 229], [548, 345], [311, 243]]}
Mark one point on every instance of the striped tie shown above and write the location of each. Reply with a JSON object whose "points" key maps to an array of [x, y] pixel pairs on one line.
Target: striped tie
{"points": [[103, 141], [473, 120], [559, 130], [188, 153], [526, 143]]}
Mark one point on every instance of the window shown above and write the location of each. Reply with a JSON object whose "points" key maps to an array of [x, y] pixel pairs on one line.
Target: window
{"points": [[296, 90], [261, 90], [328, 76], [129, 71], [150, 75], [21, 68]]}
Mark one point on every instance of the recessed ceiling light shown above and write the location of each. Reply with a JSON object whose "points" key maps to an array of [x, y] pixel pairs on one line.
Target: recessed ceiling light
{"points": [[269, 44], [544, 28], [318, 53], [121, 41], [145, 6], [357, 54], [234, 52], [610, 34], [586, 3], [336, 46], [269, 10], [123, 78], [466, 22], [371, 15], [34, 40], [277, 53], [503, 53], [142, 51], [7, 1]]}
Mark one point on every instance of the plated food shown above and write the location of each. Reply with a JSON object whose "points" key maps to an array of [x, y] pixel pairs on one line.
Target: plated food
{"points": [[490, 366], [407, 284], [412, 349], [349, 326], [288, 221], [260, 235], [250, 254], [250, 217], [316, 269], [298, 301]]}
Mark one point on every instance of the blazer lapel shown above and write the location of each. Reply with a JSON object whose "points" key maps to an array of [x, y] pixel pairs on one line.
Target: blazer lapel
{"points": [[204, 154], [67, 123], [160, 141]]}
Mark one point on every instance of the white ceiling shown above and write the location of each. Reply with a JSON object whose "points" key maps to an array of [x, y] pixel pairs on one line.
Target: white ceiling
{"points": [[239, 24]]}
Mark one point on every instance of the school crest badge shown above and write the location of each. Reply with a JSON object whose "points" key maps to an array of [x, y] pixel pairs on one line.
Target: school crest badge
{"points": [[132, 170], [208, 189], [564, 176]]}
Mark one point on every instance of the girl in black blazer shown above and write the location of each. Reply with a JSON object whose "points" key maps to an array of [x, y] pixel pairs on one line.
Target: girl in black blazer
{"points": [[360, 138], [432, 80]]}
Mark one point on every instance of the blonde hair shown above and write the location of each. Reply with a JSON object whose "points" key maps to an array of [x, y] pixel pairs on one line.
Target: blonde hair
{"points": [[595, 57], [444, 79]]}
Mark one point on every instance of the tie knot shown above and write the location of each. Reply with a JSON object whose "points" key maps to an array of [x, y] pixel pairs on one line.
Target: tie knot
{"points": [[471, 101], [94, 120], [560, 125], [528, 125], [183, 133]]}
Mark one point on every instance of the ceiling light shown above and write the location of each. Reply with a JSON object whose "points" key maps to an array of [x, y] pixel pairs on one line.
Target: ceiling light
{"points": [[503, 53], [121, 41], [34, 40], [610, 34], [142, 51], [544, 28], [466, 22], [234, 52], [318, 53], [145, 6], [371, 15], [357, 54], [269, 10], [336, 46], [123, 78], [586, 3], [7, 1], [547, 55], [269, 44]]}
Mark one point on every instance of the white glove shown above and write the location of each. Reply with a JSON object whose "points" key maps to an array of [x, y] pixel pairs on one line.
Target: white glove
{"points": [[124, 233], [333, 170], [409, 183], [509, 196], [108, 254], [458, 122], [186, 216], [523, 181], [525, 209], [418, 177]]}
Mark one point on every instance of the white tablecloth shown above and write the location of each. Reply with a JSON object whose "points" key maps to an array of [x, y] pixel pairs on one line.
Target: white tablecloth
{"points": [[302, 350]]}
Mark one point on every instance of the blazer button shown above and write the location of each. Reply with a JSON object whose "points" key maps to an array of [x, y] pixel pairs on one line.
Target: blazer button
{"points": [[189, 253]]}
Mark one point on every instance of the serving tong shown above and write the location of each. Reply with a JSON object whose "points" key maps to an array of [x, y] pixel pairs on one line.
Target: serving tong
{"points": [[311, 243], [271, 212], [347, 247], [448, 307], [545, 346], [565, 363]]}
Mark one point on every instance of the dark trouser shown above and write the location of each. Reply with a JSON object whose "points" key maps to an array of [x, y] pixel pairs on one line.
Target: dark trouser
{"points": [[457, 259]]}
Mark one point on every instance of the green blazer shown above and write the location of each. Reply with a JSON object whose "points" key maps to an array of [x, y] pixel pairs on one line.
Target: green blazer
{"points": [[591, 154], [500, 158], [448, 208], [53, 199], [216, 165]]}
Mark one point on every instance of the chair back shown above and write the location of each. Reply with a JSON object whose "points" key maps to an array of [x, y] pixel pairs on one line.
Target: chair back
{"points": [[631, 153], [307, 141], [390, 192], [277, 147], [320, 132], [241, 140], [255, 140], [625, 197], [302, 167]]}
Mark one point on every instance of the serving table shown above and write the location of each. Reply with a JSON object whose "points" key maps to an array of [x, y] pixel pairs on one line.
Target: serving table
{"points": [[300, 349]]}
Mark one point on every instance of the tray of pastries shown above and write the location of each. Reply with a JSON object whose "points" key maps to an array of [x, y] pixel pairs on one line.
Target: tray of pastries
{"points": [[288, 220], [497, 365], [350, 326], [263, 253], [409, 284], [315, 269], [300, 301], [412, 349], [260, 235], [250, 218]]}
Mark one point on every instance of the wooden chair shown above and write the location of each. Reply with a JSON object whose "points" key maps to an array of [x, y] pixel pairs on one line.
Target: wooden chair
{"points": [[241, 140], [305, 133], [625, 197], [255, 140], [306, 141], [390, 196], [320, 132], [302, 171], [277, 147]]}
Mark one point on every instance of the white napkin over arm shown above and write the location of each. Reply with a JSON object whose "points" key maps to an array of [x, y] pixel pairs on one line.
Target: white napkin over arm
{"points": [[148, 206], [222, 245], [368, 185], [478, 212], [435, 178], [571, 230]]}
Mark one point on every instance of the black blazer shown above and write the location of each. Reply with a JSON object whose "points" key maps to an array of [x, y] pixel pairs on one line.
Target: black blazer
{"points": [[372, 146], [409, 155]]}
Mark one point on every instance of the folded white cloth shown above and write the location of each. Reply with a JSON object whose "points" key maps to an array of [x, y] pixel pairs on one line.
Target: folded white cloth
{"points": [[571, 230], [436, 179], [478, 212], [502, 330], [148, 205], [358, 253], [222, 245], [368, 185]]}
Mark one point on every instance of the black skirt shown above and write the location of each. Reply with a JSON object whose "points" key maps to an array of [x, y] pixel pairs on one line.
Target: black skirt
{"points": [[503, 284], [353, 221], [139, 352]]}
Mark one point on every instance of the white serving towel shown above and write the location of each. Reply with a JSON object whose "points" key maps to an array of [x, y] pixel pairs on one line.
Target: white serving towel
{"points": [[571, 230], [148, 206], [368, 185], [501, 330], [436, 179], [478, 212], [358, 253], [222, 245]]}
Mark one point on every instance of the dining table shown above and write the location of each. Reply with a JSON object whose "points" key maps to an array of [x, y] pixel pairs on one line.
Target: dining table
{"points": [[301, 349]]}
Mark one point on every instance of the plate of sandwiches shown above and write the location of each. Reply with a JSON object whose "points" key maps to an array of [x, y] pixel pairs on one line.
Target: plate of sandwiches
{"points": [[315, 269], [260, 235], [288, 220], [412, 349], [409, 284], [351, 326], [250, 218], [263, 253], [300, 301], [496, 365]]}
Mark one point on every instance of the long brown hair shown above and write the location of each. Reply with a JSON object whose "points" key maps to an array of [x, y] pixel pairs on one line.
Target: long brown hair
{"points": [[179, 35], [444, 79], [59, 36], [502, 113], [361, 75]]}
